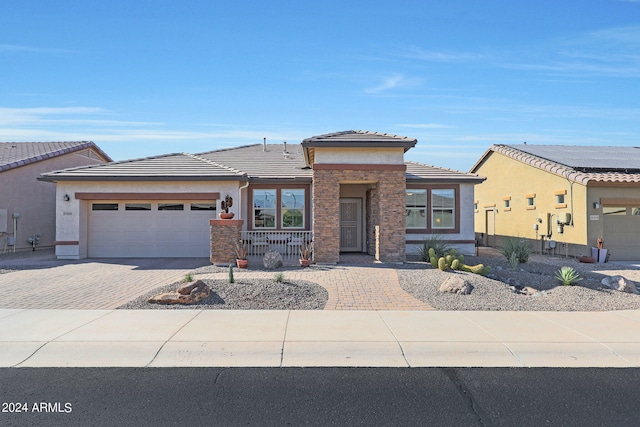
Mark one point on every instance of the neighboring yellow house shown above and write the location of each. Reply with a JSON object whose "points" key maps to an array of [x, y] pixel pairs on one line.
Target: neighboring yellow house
{"points": [[561, 198]]}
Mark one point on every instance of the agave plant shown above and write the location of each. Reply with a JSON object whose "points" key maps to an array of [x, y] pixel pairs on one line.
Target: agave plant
{"points": [[568, 276]]}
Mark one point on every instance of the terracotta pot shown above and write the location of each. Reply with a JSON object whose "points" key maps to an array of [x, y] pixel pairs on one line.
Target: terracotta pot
{"points": [[224, 215], [587, 259], [305, 262], [242, 263]]}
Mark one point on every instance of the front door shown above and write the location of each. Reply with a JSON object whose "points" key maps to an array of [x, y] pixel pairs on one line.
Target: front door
{"points": [[350, 225]]}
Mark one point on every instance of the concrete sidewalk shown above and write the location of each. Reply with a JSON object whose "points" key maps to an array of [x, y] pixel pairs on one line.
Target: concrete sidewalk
{"points": [[182, 338]]}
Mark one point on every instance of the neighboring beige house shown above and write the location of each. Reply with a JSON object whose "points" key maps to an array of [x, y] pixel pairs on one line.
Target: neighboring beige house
{"points": [[348, 192], [561, 198], [27, 203]]}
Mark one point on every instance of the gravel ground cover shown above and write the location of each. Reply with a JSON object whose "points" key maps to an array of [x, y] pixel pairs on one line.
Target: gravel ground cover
{"points": [[255, 294], [500, 289]]}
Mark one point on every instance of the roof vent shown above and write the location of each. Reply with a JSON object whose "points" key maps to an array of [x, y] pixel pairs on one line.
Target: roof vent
{"points": [[284, 149], [264, 144]]}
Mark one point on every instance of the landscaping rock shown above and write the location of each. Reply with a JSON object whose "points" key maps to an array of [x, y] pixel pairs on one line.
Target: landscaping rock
{"points": [[456, 285], [272, 260], [619, 283], [186, 294]]}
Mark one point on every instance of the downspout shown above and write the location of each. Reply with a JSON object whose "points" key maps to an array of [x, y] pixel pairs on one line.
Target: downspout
{"points": [[566, 176], [240, 199]]}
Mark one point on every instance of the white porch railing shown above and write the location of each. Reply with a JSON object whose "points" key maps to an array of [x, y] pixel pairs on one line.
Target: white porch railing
{"points": [[287, 243]]}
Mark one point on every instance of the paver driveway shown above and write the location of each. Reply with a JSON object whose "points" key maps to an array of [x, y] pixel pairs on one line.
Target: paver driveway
{"points": [[46, 283], [88, 284]]}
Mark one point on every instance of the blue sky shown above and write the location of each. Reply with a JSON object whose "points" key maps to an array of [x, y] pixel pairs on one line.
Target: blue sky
{"points": [[142, 78]]}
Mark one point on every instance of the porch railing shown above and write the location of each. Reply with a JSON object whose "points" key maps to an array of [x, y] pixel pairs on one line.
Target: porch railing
{"points": [[287, 243]]}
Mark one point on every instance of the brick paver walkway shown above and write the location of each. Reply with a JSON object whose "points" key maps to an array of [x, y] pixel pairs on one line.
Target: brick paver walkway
{"points": [[349, 287]]}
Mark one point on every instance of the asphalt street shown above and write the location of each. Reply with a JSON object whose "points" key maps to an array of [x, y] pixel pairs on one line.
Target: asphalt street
{"points": [[319, 396]]}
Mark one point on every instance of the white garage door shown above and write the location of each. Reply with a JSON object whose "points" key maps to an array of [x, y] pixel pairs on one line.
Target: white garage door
{"points": [[149, 229], [622, 232]]}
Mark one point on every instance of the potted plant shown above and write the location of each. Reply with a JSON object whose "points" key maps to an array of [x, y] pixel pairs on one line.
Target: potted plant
{"points": [[225, 205], [306, 253], [599, 252], [241, 254]]}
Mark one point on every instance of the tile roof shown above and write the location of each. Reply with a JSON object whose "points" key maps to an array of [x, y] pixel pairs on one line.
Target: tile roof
{"points": [[16, 154], [581, 164], [359, 138], [417, 172], [177, 166], [264, 161], [251, 162]]}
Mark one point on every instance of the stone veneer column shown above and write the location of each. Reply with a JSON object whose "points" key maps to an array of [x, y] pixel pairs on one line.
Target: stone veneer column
{"points": [[224, 235], [326, 217], [391, 215], [386, 209]]}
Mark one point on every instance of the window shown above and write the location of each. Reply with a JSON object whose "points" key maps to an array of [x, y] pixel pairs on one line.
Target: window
{"points": [[292, 202], [264, 208], [506, 201], [203, 206], [635, 211], [104, 207], [416, 208], [137, 206], [442, 208], [559, 199], [170, 207], [279, 207], [614, 210], [531, 201], [433, 208]]}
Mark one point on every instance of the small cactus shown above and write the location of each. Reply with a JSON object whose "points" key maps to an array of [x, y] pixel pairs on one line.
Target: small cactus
{"points": [[231, 279], [455, 264], [432, 252], [442, 264], [434, 261]]}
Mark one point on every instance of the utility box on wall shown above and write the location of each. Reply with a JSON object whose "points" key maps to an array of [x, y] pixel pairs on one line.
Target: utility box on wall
{"points": [[4, 220]]}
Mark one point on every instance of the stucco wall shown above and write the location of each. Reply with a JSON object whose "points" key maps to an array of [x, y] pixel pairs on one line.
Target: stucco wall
{"points": [[21, 192], [597, 194], [509, 178], [373, 156]]}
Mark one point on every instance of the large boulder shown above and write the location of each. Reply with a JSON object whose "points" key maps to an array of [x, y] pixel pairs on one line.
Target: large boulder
{"points": [[619, 283], [272, 260], [189, 293], [456, 285]]}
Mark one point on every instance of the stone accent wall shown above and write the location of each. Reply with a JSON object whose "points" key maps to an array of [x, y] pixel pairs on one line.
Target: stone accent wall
{"points": [[385, 207], [224, 235], [326, 205]]}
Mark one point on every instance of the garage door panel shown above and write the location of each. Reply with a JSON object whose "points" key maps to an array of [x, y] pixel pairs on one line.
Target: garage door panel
{"points": [[622, 236], [122, 233]]}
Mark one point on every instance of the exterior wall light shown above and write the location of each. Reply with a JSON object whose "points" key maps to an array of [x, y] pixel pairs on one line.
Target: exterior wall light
{"points": [[66, 198], [596, 205]]}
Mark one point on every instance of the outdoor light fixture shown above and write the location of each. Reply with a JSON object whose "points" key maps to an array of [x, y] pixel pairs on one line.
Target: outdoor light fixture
{"points": [[66, 198], [596, 205]]}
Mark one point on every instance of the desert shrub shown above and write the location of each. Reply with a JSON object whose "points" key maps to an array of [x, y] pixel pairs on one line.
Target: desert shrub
{"points": [[279, 277], [520, 247], [567, 275], [436, 243]]}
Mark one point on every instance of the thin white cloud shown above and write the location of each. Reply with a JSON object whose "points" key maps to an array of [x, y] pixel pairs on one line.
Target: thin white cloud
{"points": [[413, 52], [392, 82]]}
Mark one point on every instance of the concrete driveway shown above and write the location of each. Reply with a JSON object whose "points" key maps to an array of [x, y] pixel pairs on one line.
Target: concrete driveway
{"points": [[45, 283]]}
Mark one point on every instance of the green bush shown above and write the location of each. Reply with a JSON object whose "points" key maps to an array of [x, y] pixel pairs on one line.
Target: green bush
{"points": [[520, 247], [279, 277], [568, 276], [231, 279]]}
